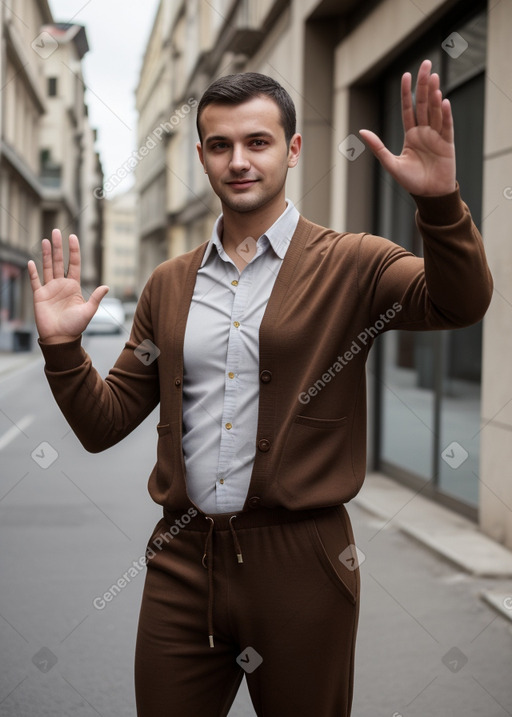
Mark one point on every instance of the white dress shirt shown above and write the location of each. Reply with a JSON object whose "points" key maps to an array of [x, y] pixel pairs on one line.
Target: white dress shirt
{"points": [[221, 365]]}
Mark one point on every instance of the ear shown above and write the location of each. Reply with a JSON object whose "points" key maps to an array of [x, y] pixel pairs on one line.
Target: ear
{"points": [[294, 149], [199, 148]]}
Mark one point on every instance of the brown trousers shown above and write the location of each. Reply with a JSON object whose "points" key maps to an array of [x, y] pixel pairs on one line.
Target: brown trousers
{"points": [[277, 598]]}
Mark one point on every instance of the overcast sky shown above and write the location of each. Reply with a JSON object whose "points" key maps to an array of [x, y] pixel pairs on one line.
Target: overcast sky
{"points": [[117, 32]]}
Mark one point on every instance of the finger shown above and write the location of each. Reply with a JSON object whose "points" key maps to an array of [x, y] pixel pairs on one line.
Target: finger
{"points": [[422, 93], [46, 247], [435, 98], [58, 255], [74, 258], [408, 117], [34, 276], [447, 129]]}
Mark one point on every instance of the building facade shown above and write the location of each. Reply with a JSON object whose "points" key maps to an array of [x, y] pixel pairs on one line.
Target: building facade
{"points": [[120, 246], [153, 101], [48, 163], [440, 404], [69, 165], [22, 106]]}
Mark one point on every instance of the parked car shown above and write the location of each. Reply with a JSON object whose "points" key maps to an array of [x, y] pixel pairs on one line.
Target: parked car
{"points": [[129, 308], [108, 319]]}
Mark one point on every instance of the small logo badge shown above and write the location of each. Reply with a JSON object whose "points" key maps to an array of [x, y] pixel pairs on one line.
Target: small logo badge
{"points": [[249, 659], [44, 44], [44, 455]]}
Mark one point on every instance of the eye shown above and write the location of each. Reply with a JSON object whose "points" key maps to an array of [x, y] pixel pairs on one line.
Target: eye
{"points": [[259, 143], [217, 146]]}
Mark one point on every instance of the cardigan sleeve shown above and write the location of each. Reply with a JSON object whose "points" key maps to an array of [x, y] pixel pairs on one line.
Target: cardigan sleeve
{"points": [[451, 287], [102, 412]]}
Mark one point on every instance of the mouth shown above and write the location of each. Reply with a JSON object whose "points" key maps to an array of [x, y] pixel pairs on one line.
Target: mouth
{"points": [[242, 183]]}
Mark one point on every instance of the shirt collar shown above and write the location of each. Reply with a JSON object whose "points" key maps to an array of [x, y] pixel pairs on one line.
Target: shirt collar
{"points": [[279, 234]]}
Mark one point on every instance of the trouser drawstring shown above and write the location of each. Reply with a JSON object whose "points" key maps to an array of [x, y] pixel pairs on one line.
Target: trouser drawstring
{"points": [[238, 549], [207, 562]]}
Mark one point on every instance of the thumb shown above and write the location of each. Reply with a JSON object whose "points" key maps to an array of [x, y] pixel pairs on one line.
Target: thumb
{"points": [[377, 146], [97, 295]]}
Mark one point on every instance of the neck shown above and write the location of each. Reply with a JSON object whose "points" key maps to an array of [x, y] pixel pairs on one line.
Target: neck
{"points": [[240, 225]]}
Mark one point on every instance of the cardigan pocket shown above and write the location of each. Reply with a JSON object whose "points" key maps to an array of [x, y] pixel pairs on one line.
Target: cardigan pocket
{"points": [[320, 422], [308, 469]]}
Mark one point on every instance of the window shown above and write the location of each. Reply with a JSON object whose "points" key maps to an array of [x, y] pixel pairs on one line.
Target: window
{"points": [[428, 395]]}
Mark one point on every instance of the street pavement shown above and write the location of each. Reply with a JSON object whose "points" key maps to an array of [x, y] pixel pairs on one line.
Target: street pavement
{"points": [[72, 523]]}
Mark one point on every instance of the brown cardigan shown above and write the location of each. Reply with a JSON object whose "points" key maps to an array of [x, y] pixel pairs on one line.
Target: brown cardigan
{"points": [[333, 294]]}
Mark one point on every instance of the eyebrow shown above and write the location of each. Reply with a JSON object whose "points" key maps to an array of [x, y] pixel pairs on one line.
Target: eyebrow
{"points": [[252, 135]]}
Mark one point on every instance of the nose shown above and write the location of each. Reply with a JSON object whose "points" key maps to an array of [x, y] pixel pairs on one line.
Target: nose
{"points": [[239, 161]]}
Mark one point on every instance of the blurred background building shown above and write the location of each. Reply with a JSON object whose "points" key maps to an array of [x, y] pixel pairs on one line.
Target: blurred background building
{"points": [[48, 162], [120, 251], [440, 403]]}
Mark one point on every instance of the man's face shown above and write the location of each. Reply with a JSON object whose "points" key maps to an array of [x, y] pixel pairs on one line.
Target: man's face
{"points": [[245, 154]]}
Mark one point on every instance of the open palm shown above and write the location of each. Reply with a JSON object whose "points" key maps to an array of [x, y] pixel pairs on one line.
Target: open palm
{"points": [[426, 165], [61, 312]]}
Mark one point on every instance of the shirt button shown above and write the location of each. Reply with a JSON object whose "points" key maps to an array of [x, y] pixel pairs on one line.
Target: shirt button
{"points": [[221, 481], [264, 445], [231, 374], [254, 501], [236, 324], [265, 376], [229, 426], [234, 282]]}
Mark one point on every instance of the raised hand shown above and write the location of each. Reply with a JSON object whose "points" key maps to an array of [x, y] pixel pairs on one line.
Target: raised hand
{"points": [[426, 165], [61, 312]]}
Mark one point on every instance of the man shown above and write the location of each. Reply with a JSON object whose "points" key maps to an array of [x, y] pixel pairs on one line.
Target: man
{"points": [[249, 343]]}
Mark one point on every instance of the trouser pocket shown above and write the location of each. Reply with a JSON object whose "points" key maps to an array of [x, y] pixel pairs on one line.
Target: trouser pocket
{"points": [[333, 540]]}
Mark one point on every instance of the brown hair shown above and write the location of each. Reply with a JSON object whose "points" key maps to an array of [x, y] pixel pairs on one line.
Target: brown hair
{"points": [[244, 86]]}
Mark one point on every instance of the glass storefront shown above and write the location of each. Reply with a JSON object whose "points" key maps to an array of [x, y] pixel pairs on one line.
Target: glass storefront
{"points": [[428, 383]]}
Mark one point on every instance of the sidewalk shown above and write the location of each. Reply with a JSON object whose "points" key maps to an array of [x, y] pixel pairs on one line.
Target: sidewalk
{"points": [[446, 533]]}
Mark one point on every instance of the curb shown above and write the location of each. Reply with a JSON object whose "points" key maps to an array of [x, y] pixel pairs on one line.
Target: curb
{"points": [[443, 531]]}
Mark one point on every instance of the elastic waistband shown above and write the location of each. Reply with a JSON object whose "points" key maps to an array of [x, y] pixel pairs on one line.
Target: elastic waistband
{"points": [[195, 520], [244, 519]]}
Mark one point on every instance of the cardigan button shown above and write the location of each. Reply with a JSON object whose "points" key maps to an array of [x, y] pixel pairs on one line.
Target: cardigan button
{"points": [[265, 376], [264, 445], [177, 382], [254, 501]]}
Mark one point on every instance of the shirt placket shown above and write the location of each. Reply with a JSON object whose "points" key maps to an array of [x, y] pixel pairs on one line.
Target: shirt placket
{"points": [[232, 386]]}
